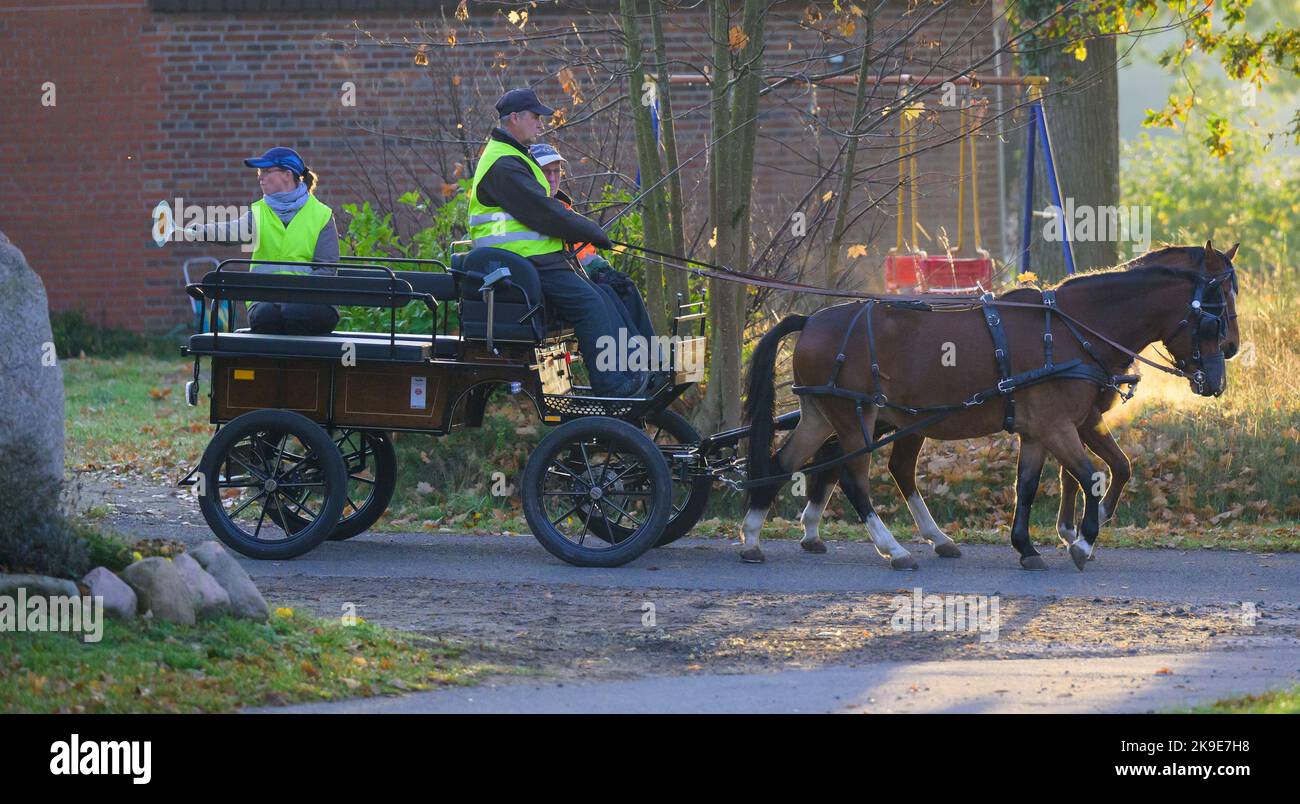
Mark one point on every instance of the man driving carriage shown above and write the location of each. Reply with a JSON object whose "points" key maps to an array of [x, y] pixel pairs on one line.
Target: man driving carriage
{"points": [[511, 208]]}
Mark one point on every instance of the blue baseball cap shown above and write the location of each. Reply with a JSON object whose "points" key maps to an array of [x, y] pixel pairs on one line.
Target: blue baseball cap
{"points": [[545, 154], [286, 158], [522, 100]]}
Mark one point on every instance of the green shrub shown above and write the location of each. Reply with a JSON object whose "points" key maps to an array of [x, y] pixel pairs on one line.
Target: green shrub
{"points": [[35, 536], [76, 335]]}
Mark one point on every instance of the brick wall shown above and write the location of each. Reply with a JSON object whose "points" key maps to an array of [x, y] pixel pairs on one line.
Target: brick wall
{"points": [[155, 104]]}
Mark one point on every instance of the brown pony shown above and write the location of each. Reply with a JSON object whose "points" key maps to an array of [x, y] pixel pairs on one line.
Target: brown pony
{"points": [[933, 374]]}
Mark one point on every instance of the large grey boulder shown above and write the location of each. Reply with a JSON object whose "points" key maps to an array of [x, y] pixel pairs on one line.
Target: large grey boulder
{"points": [[37, 586], [161, 589], [208, 596], [120, 600], [245, 600], [31, 382]]}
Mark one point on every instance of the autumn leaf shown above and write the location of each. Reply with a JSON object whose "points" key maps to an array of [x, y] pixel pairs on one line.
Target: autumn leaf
{"points": [[827, 196], [451, 39], [1080, 51], [518, 18], [1025, 277], [737, 38], [857, 251], [462, 10], [846, 27], [158, 394], [812, 14], [422, 55], [449, 190], [455, 80]]}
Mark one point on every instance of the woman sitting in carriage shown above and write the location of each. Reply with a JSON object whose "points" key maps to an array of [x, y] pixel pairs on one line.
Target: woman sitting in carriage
{"points": [[288, 224]]}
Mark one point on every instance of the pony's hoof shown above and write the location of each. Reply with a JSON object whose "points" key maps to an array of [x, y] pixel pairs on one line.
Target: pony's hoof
{"points": [[947, 550], [903, 563], [752, 556], [816, 546], [1079, 555], [1035, 563]]}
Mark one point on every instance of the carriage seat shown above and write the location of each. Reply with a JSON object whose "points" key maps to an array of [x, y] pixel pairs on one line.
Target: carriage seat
{"points": [[520, 313], [440, 285], [406, 350]]}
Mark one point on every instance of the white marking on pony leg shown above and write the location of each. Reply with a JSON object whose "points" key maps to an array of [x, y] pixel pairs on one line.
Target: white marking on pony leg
{"points": [[885, 543], [752, 524], [810, 519], [1066, 533], [925, 524], [1083, 545]]}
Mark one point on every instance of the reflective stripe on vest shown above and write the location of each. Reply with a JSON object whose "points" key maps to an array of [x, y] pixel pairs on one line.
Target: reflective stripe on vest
{"points": [[493, 226]]}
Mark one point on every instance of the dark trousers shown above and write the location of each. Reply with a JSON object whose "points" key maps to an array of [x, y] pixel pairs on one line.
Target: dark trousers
{"points": [[592, 314], [275, 318]]}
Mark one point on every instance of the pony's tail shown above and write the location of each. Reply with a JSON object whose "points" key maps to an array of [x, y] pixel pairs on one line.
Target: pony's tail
{"points": [[760, 400]]}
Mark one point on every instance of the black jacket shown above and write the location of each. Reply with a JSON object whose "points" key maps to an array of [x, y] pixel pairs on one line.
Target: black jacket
{"points": [[510, 184]]}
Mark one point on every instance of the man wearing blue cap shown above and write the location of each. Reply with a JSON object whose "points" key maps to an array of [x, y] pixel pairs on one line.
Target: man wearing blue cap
{"points": [[511, 208], [288, 224]]}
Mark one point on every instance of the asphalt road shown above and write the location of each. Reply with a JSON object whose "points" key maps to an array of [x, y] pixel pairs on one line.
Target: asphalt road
{"points": [[1194, 576]]}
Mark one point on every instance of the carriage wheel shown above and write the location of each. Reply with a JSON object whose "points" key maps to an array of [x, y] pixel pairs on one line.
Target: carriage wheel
{"points": [[371, 465], [690, 495], [265, 461], [576, 476]]}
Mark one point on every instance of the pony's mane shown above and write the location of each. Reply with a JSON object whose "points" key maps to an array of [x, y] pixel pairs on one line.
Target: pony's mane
{"points": [[1134, 267]]}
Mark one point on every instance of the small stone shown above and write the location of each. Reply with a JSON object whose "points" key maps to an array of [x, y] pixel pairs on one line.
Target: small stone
{"points": [[37, 585], [120, 600], [209, 598], [161, 590], [245, 600]]}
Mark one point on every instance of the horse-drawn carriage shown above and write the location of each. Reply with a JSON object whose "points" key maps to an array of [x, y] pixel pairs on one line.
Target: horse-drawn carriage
{"points": [[303, 451]]}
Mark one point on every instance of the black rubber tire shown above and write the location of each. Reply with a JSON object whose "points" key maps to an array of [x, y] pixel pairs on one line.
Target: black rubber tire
{"points": [[569, 439], [385, 472], [360, 449], [248, 434], [690, 497]]}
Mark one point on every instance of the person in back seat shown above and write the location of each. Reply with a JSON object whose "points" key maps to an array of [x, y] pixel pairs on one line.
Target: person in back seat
{"points": [[511, 208], [617, 285], [288, 224]]}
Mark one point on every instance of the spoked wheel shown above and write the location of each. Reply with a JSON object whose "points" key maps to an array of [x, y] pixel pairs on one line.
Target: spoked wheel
{"points": [[690, 494], [270, 460], [580, 474], [371, 465]]}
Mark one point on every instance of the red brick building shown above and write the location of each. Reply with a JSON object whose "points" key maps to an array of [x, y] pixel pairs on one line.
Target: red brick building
{"points": [[110, 106]]}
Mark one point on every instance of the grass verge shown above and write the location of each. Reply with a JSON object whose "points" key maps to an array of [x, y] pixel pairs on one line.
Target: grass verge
{"points": [[221, 665], [1277, 702]]}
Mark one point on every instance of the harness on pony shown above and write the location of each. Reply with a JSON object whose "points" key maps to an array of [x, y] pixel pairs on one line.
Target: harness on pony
{"points": [[1203, 325]]}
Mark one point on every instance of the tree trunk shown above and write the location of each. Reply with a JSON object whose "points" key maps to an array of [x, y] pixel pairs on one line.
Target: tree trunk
{"points": [[654, 208], [675, 282], [845, 191], [1082, 105], [734, 131]]}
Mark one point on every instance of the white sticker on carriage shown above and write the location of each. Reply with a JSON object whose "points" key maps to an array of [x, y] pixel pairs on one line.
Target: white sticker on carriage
{"points": [[419, 397]]}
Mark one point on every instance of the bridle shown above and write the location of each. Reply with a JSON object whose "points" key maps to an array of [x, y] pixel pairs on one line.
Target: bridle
{"points": [[1206, 318]]}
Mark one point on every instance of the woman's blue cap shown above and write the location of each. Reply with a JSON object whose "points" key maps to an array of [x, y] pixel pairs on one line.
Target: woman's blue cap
{"points": [[286, 158]]}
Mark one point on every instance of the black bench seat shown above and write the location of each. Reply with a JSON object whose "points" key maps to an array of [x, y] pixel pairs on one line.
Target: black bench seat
{"points": [[407, 350]]}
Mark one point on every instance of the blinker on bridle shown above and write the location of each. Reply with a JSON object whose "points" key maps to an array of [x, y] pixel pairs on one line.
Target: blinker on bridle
{"points": [[1205, 320]]}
